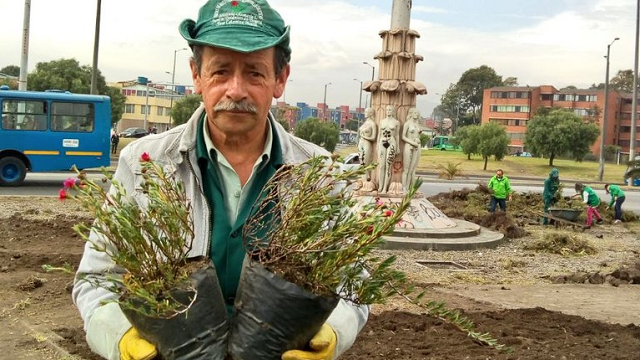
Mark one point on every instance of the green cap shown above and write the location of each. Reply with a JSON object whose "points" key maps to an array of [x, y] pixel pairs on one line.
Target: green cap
{"points": [[240, 25]]}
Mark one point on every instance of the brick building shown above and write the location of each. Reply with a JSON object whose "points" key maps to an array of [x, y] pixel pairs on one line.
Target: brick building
{"points": [[514, 107]]}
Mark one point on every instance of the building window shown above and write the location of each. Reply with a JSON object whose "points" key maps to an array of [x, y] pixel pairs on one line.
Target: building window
{"points": [[129, 108], [142, 109], [509, 108], [516, 136], [546, 97], [159, 110], [140, 93]]}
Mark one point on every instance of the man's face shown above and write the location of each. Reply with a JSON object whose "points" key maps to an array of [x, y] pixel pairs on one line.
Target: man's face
{"points": [[499, 174], [237, 89]]}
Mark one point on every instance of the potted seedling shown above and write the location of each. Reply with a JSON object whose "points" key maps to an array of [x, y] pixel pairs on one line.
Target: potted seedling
{"points": [[168, 298]]}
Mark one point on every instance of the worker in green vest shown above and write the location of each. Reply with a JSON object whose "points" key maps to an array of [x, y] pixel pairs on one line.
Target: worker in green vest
{"points": [[617, 198], [592, 200]]}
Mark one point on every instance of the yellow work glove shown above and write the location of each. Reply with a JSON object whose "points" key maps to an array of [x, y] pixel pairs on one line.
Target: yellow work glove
{"points": [[322, 346], [134, 347]]}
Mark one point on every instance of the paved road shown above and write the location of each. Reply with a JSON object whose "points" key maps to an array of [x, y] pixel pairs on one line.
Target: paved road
{"points": [[48, 184]]}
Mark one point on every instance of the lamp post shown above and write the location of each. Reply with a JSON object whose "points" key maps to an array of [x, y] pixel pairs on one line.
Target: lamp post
{"points": [[604, 112], [146, 106], [173, 81], [324, 102], [634, 102], [373, 72]]}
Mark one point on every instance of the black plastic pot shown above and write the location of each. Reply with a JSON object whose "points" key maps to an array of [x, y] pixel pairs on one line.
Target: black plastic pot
{"points": [[200, 333], [274, 315]]}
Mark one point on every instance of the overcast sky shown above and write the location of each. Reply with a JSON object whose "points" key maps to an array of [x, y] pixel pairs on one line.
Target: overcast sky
{"points": [[555, 42]]}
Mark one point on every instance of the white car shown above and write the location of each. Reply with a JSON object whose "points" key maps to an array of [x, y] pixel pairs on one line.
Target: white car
{"points": [[351, 162]]}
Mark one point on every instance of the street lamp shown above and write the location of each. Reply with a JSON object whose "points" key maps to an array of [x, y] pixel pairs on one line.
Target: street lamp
{"points": [[173, 80], [373, 72], [324, 102], [604, 112]]}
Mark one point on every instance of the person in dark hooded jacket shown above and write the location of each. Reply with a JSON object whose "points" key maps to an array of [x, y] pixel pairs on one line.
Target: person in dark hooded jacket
{"points": [[549, 194]]}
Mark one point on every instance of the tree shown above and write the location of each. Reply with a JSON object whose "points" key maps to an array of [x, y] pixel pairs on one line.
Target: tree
{"points": [[64, 74], [68, 75], [623, 81], [463, 100], [510, 81], [559, 131], [424, 139], [468, 137], [322, 133], [471, 88], [493, 141], [117, 103], [11, 70], [12, 84], [184, 108]]}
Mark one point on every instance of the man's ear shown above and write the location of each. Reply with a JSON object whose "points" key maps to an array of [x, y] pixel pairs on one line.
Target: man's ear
{"points": [[281, 82], [195, 77]]}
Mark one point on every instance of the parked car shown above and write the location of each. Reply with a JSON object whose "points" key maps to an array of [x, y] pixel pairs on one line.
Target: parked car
{"points": [[134, 132], [351, 162], [523, 154]]}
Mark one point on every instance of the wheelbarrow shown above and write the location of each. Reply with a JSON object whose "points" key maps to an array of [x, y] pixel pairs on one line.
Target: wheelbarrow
{"points": [[565, 216]]}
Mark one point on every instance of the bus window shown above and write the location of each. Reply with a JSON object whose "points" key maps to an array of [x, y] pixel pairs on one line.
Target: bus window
{"points": [[20, 114], [73, 117]]}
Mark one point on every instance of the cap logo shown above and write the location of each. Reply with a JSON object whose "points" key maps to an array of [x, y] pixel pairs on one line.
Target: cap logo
{"points": [[238, 12]]}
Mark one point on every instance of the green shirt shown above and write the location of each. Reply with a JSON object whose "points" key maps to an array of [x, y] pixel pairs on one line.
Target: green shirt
{"points": [[501, 187], [590, 197], [615, 192], [228, 217]]}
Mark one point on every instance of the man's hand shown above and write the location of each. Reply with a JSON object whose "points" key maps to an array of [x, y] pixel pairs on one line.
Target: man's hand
{"points": [[322, 346], [134, 347]]}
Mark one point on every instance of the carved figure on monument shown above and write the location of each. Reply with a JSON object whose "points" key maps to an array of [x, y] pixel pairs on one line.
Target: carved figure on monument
{"points": [[387, 148], [411, 154], [368, 134]]}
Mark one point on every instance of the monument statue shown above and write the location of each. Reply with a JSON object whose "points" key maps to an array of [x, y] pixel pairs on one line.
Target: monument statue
{"points": [[368, 133], [411, 154], [387, 148]]}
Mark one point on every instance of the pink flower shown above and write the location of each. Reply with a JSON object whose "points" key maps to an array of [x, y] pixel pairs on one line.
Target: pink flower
{"points": [[234, 3], [69, 183], [62, 194], [145, 157]]}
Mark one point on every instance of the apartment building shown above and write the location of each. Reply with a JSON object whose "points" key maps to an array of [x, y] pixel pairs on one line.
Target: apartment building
{"points": [[148, 105], [514, 107]]}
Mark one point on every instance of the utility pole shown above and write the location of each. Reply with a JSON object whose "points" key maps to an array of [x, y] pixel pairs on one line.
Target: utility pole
{"points": [[96, 43], [604, 113], [24, 60], [634, 103]]}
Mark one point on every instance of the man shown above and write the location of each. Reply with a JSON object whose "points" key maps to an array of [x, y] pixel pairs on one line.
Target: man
{"points": [[115, 139], [224, 155], [549, 194], [592, 200], [617, 197], [501, 190]]}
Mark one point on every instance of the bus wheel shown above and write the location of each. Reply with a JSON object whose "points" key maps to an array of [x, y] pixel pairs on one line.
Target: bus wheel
{"points": [[12, 171]]}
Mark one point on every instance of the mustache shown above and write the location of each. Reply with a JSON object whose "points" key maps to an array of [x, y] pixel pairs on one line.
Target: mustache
{"points": [[242, 105]]}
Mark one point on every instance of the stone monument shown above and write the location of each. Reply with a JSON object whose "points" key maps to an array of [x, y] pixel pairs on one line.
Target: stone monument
{"points": [[396, 147]]}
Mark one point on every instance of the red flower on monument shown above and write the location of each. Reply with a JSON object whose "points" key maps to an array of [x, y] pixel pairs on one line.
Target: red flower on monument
{"points": [[62, 194], [145, 157], [234, 3]]}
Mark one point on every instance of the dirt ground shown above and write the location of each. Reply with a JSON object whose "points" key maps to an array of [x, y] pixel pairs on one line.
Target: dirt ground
{"points": [[520, 297]]}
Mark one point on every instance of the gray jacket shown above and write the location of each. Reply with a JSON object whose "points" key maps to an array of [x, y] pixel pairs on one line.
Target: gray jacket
{"points": [[105, 324]]}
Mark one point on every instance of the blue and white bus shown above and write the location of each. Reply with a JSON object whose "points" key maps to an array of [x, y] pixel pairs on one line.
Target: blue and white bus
{"points": [[51, 131]]}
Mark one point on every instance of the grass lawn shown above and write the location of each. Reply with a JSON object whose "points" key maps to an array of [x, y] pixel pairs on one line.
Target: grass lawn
{"points": [[515, 166]]}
